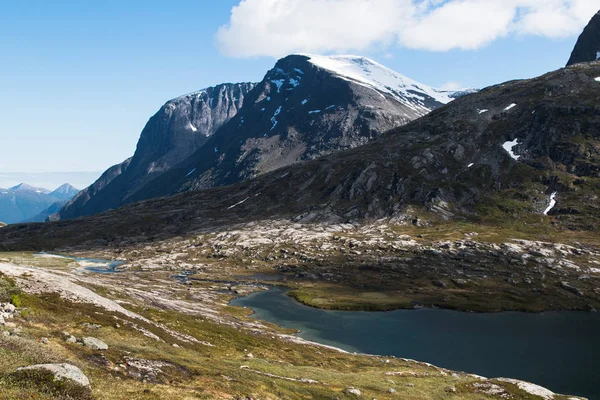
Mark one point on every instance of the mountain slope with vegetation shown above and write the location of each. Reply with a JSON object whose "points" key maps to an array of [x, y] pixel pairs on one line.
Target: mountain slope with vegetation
{"points": [[496, 156]]}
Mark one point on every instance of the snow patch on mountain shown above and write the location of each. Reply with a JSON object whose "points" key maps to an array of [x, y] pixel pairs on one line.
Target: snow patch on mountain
{"points": [[508, 146], [274, 118], [552, 203], [371, 74]]}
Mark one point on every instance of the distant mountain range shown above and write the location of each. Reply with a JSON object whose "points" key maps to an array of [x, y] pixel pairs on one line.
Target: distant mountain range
{"points": [[26, 203], [305, 107]]}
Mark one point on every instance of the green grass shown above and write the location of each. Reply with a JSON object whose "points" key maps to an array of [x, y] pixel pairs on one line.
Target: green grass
{"points": [[194, 370]]}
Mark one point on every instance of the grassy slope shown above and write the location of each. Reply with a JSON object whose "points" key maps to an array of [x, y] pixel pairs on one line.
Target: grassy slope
{"points": [[195, 370]]}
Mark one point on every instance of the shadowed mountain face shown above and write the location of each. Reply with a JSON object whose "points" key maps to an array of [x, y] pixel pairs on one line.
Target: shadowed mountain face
{"points": [[305, 107], [588, 45], [179, 128], [514, 151]]}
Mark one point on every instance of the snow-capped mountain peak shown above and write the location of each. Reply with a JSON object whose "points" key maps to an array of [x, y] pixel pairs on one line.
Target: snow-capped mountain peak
{"points": [[369, 73], [24, 187]]}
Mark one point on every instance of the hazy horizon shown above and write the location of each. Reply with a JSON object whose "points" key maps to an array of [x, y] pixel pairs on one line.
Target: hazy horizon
{"points": [[49, 180]]}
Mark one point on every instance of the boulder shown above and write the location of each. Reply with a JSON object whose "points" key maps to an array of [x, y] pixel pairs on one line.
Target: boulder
{"points": [[353, 391], [94, 344], [61, 372], [8, 308]]}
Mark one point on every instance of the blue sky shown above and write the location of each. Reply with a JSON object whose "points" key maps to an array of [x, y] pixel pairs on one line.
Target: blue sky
{"points": [[78, 79]]}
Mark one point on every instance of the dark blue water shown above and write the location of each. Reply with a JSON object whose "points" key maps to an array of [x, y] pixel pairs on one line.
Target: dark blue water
{"points": [[558, 350]]}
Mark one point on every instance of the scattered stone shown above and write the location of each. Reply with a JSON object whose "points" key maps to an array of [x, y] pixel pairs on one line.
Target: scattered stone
{"points": [[451, 389], [62, 372], [175, 345], [488, 388], [459, 282], [249, 356], [391, 390], [45, 340], [87, 325], [353, 391], [440, 284], [410, 385], [567, 286], [71, 339], [94, 344]]}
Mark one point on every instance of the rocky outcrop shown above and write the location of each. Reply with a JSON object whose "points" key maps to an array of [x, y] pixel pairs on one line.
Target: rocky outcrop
{"points": [[178, 129], [94, 344], [587, 47], [61, 372]]}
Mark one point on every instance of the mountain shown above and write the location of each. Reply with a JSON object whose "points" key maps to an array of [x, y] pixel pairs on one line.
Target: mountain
{"points": [[179, 128], [305, 107], [82, 199], [587, 47], [23, 201], [25, 188], [47, 214], [64, 192], [508, 154]]}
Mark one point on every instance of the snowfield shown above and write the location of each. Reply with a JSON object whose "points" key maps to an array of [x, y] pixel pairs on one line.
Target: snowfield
{"points": [[371, 74]]}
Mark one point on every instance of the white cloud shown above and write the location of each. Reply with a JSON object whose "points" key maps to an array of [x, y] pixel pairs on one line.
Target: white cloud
{"points": [[279, 27]]}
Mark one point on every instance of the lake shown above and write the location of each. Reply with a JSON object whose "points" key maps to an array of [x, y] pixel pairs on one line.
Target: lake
{"points": [[558, 350]]}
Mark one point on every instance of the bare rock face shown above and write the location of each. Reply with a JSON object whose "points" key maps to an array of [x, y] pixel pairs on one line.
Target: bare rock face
{"points": [[305, 107], [178, 129], [587, 48], [61, 372]]}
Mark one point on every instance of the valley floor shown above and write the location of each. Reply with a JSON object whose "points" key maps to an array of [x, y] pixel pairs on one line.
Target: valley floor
{"points": [[172, 335]]}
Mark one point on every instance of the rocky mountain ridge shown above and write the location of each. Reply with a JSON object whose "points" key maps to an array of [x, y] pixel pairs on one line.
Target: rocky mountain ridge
{"points": [[587, 47], [181, 126], [305, 107]]}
